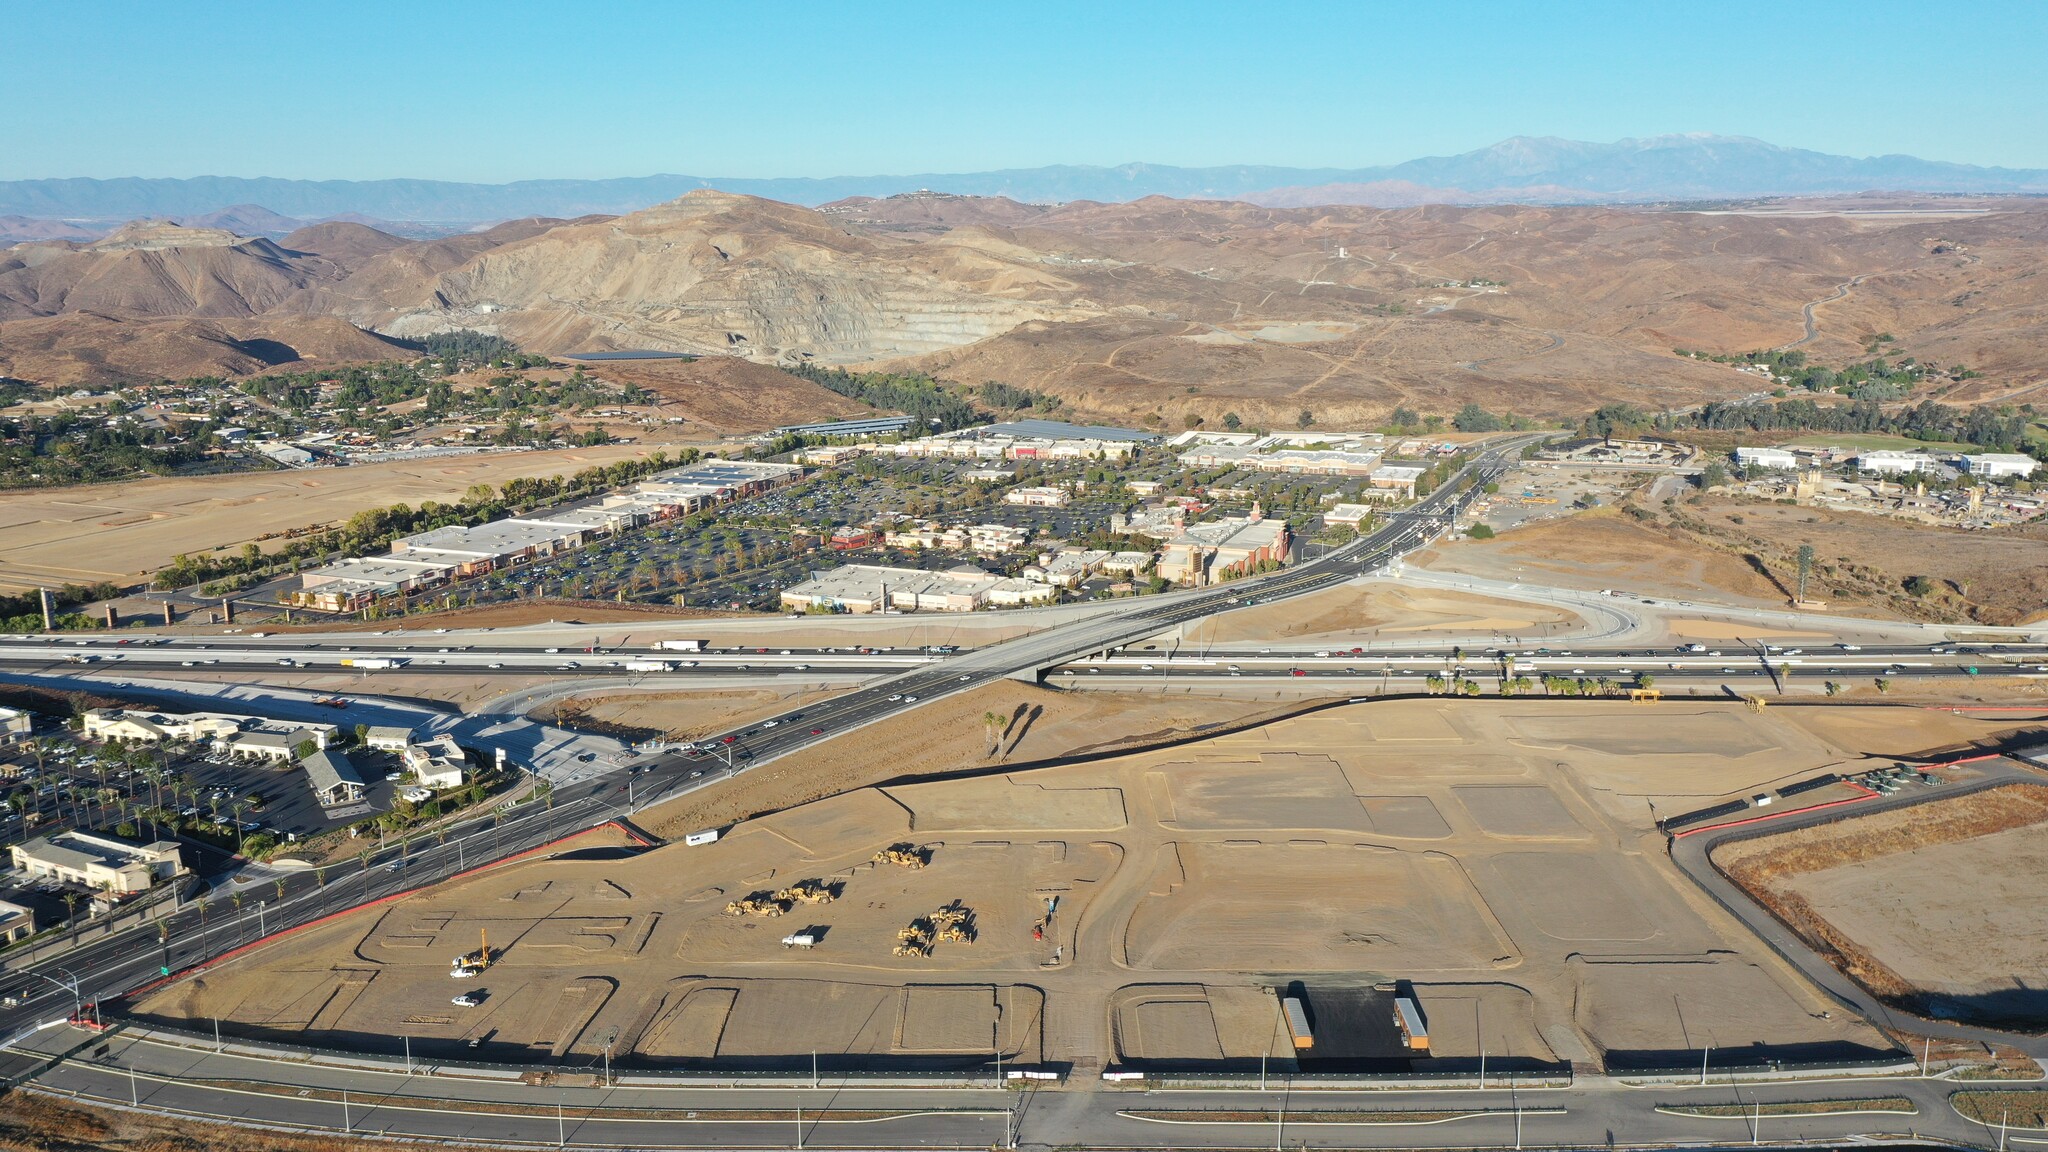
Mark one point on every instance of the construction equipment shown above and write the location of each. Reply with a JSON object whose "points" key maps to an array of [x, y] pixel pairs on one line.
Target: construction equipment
{"points": [[806, 892], [471, 964], [904, 855], [915, 940], [954, 923], [758, 904]]}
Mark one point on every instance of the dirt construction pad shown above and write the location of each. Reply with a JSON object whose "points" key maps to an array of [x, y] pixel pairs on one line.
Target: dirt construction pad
{"points": [[1507, 869]]}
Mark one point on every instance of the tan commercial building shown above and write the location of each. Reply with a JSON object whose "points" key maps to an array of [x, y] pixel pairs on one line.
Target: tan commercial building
{"points": [[1216, 550], [102, 863], [864, 588], [17, 922]]}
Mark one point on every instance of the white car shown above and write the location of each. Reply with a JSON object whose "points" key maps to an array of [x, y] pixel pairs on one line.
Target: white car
{"points": [[771, 723], [895, 696], [466, 1000], [910, 699]]}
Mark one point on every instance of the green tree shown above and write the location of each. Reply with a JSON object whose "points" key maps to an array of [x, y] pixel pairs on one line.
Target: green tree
{"points": [[1304, 418], [1479, 532], [1473, 418], [1232, 421], [1919, 585]]}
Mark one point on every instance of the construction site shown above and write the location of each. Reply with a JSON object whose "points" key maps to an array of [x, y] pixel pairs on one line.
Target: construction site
{"points": [[1418, 884]]}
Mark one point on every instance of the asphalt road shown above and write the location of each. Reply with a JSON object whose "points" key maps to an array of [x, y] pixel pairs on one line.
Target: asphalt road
{"points": [[368, 1096]]}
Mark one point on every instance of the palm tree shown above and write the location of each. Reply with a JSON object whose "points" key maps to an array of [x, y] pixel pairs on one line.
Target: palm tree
{"points": [[991, 722], [71, 912], [238, 807]]}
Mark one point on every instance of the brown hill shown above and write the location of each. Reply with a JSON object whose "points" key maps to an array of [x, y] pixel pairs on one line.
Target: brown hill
{"points": [[345, 245], [1173, 308], [88, 348], [930, 212], [728, 394], [155, 268], [35, 229], [712, 272]]}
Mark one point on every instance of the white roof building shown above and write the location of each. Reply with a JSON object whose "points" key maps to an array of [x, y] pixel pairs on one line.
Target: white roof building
{"points": [[1893, 463], [1780, 458], [2000, 464], [876, 588]]}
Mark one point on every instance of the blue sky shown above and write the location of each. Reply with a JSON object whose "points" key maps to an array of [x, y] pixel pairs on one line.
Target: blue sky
{"points": [[512, 90]]}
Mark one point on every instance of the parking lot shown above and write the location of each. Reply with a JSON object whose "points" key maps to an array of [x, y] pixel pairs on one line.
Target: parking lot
{"points": [[204, 798]]}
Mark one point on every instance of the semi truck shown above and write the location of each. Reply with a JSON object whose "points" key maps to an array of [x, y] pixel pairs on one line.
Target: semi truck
{"points": [[679, 645], [649, 666], [1297, 1023], [372, 662]]}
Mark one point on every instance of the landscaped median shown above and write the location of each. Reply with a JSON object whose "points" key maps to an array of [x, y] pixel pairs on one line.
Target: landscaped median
{"points": [[1796, 1109], [1388, 1116], [2015, 1110]]}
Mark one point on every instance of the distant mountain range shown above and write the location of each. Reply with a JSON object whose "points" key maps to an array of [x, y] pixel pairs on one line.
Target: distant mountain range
{"points": [[1519, 170]]}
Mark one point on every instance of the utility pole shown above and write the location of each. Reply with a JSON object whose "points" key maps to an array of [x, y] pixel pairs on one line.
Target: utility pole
{"points": [[1703, 1064], [347, 1125]]}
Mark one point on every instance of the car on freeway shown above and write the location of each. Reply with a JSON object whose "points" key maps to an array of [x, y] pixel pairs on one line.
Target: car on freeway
{"points": [[728, 739], [771, 723], [817, 731], [910, 699]]}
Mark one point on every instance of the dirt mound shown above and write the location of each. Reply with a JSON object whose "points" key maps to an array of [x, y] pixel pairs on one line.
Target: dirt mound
{"points": [[727, 394]]}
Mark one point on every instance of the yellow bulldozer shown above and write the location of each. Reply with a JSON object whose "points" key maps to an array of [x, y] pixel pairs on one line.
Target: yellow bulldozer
{"points": [[806, 892], [915, 940], [954, 923], [759, 904], [904, 855]]}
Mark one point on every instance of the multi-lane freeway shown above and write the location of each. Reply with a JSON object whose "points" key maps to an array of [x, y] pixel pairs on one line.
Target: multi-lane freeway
{"points": [[116, 962], [1091, 648]]}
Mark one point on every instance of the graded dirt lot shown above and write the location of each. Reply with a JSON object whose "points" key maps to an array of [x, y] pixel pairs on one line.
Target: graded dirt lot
{"points": [[1380, 612], [1938, 907], [1038, 724], [1604, 548], [121, 532], [1502, 863]]}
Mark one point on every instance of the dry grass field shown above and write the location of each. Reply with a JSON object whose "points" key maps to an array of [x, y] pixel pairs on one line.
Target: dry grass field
{"points": [[1500, 859], [1744, 552], [122, 532], [1938, 907]]}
